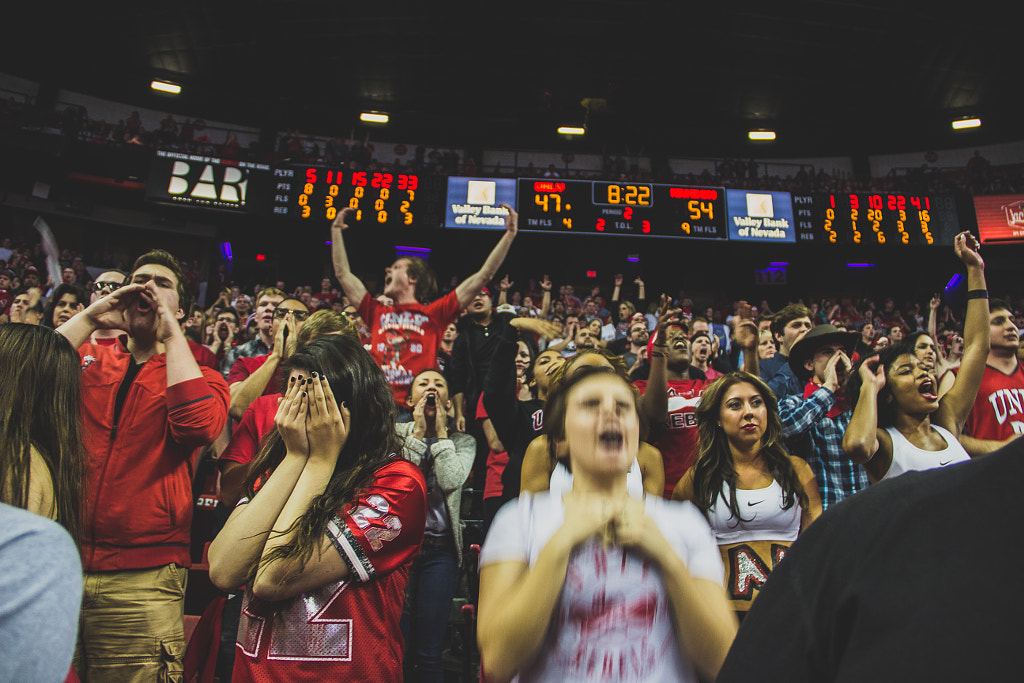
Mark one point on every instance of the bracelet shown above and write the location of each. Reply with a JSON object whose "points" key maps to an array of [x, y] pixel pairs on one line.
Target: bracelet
{"points": [[977, 294]]}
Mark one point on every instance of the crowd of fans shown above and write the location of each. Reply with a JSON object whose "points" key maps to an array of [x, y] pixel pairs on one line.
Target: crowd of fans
{"points": [[497, 399]]}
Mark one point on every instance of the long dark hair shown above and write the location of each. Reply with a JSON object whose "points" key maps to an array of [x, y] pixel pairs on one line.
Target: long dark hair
{"points": [[358, 382], [39, 408], [714, 463]]}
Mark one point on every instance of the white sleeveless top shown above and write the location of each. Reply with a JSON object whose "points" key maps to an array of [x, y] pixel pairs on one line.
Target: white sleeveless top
{"points": [[763, 518], [561, 480], [906, 457]]}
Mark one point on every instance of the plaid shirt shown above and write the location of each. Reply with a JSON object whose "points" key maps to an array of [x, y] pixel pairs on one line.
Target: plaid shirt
{"points": [[818, 439]]}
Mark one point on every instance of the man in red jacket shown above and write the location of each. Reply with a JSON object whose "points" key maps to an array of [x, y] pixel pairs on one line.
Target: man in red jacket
{"points": [[146, 413]]}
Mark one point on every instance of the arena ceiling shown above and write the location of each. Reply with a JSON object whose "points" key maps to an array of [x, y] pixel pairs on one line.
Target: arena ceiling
{"points": [[680, 78]]}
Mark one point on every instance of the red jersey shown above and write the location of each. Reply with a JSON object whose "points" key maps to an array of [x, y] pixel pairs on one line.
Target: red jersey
{"points": [[677, 440], [257, 421], [404, 339], [203, 356], [349, 630], [998, 411], [246, 365]]}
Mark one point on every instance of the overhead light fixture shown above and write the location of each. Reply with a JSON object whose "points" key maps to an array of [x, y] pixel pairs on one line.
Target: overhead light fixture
{"points": [[966, 123], [373, 117], [571, 130], [164, 86], [761, 135]]}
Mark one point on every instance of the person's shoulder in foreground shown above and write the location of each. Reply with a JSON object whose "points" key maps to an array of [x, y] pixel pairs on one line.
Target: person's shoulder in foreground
{"points": [[910, 579], [40, 594]]}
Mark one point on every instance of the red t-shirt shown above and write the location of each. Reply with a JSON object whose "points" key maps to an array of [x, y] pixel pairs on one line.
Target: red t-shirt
{"points": [[203, 356], [998, 411], [677, 440], [257, 421], [404, 339], [245, 366], [349, 630]]}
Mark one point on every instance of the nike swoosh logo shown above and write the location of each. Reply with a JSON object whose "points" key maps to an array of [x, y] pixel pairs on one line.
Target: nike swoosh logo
{"points": [[943, 464], [756, 502]]}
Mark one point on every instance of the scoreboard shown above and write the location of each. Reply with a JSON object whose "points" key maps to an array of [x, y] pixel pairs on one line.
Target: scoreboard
{"points": [[582, 206], [318, 193], [877, 218]]}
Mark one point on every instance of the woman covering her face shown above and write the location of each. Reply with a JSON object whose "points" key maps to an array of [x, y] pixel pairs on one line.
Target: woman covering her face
{"points": [[330, 524]]}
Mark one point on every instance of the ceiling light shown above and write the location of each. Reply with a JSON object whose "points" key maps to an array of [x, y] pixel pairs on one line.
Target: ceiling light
{"points": [[761, 135], [373, 117], [966, 123], [164, 86], [571, 130]]}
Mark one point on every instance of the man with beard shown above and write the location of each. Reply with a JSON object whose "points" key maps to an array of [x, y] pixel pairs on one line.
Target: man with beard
{"points": [[405, 334], [471, 355], [146, 413], [672, 391], [633, 347], [997, 418], [266, 301]]}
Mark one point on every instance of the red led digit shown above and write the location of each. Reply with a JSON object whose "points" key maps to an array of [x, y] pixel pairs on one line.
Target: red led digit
{"points": [[854, 202], [891, 202], [627, 213], [311, 175], [386, 181], [832, 200], [359, 178], [600, 225], [403, 181], [646, 226], [414, 182], [927, 204], [916, 201], [376, 180]]}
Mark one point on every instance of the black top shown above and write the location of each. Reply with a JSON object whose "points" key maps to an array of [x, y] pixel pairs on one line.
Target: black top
{"points": [[516, 422]]}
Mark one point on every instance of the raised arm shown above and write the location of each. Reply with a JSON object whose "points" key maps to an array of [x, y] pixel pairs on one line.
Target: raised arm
{"points": [[956, 404], [745, 333], [471, 286], [654, 402], [863, 442], [545, 305], [352, 286]]}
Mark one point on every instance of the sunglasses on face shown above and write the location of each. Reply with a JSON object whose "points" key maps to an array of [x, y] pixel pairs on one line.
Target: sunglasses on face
{"points": [[299, 315], [109, 286]]}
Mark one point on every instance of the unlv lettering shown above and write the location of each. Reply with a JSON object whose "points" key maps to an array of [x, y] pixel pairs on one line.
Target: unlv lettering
{"points": [[404, 320], [219, 185], [1007, 402], [747, 571], [538, 420]]}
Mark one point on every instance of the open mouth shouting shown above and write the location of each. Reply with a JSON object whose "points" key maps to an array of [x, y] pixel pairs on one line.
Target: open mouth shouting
{"points": [[927, 389]]}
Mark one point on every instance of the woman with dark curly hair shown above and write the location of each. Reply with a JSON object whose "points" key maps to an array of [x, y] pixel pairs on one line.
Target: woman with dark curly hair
{"points": [[756, 496], [331, 521], [64, 303]]}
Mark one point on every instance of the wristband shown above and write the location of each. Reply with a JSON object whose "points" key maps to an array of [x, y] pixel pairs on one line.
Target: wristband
{"points": [[977, 294]]}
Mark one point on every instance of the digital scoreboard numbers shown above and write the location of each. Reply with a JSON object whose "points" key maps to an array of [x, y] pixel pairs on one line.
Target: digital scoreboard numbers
{"points": [[877, 218], [578, 206], [319, 194]]}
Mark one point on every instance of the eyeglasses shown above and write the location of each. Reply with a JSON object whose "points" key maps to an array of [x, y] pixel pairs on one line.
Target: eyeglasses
{"points": [[299, 315], [100, 286], [350, 314]]}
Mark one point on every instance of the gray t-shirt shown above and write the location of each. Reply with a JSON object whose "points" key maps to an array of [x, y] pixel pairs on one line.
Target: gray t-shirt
{"points": [[40, 595]]}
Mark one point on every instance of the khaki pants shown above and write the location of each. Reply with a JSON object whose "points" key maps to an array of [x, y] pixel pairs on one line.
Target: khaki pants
{"points": [[132, 626]]}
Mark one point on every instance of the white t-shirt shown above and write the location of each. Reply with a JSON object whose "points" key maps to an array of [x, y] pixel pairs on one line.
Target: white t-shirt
{"points": [[560, 481], [612, 621]]}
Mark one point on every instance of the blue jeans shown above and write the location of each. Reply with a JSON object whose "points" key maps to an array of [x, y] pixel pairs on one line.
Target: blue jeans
{"points": [[428, 602]]}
